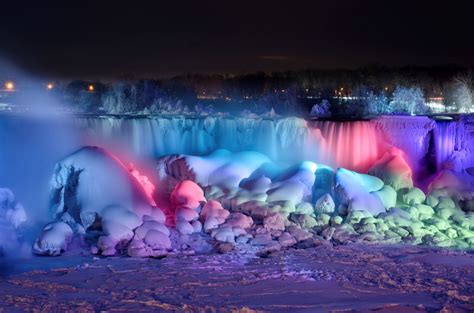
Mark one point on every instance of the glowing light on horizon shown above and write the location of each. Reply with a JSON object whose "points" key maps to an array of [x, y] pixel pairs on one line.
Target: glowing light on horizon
{"points": [[10, 86], [50, 86], [91, 88]]}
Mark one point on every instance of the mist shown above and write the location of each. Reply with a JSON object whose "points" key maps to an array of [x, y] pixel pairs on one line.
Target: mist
{"points": [[31, 142]]}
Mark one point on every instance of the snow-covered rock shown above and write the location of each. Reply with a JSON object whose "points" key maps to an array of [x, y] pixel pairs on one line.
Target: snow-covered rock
{"points": [[393, 170], [387, 195], [355, 191], [324, 205], [93, 189], [413, 196], [187, 194], [53, 239]]}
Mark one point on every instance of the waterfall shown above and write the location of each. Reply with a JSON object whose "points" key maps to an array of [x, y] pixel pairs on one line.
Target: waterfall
{"points": [[280, 139], [444, 142], [355, 145], [411, 134]]}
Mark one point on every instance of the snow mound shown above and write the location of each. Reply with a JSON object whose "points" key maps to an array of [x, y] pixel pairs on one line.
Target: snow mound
{"points": [[393, 170], [355, 191], [96, 196]]}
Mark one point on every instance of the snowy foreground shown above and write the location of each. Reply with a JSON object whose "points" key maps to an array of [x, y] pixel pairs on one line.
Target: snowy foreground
{"points": [[320, 278]]}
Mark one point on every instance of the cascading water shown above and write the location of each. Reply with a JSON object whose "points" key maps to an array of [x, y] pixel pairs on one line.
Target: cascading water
{"points": [[282, 140], [411, 134], [353, 145], [444, 142]]}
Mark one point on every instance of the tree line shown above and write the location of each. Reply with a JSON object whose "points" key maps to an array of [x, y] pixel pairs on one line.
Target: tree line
{"points": [[364, 91]]}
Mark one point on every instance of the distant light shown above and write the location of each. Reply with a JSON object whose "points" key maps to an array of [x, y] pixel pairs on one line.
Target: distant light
{"points": [[91, 88], [50, 86], [342, 88], [9, 86], [386, 88]]}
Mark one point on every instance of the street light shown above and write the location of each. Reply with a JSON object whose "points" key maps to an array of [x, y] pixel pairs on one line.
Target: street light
{"points": [[9, 86], [91, 88], [50, 86]]}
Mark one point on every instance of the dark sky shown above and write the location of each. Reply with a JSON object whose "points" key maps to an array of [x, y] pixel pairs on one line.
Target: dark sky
{"points": [[101, 39]]}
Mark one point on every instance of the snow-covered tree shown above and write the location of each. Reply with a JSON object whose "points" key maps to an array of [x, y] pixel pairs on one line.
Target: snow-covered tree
{"points": [[463, 94], [377, 104], [408, 100], [322, 109]]}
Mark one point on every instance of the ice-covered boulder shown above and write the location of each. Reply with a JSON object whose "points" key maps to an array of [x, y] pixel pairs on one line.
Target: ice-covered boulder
{"points": [[184, 227], [187, 194], [304, 172], [450, 184], [53, 239], [89, 180], [387, 195], [393, 170], [356, 191], [292, 191], [324, 205], [274, 221], [93, 191], [323, 182], [413, 196], [187, 198], [214, 209], [221, 168], [213, 215], [305, 208], [186, 214]]}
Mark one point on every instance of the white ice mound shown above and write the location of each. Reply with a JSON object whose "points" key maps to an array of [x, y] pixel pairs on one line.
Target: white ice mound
{"points": [[187, 194], [393, 170], [98, 196], [187, 199], [89, 180], [241, 177], [53, 239], [220, 168], [355, 191]]}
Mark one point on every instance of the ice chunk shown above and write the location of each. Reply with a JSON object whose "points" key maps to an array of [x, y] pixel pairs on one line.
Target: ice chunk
{"points": [[324, 205], [387, 195], [187, 194], [53, 239], [354, 190], [90, 180], [393, 170], [413, 196]]}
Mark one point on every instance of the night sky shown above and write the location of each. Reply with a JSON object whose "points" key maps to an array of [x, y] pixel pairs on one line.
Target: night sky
{"points": [[99, 39]]}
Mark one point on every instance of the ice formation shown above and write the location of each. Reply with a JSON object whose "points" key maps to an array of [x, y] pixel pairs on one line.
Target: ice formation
{"points": [[278, 196], [12, 217], [94, 196], [354, 145], [310, 200]]}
